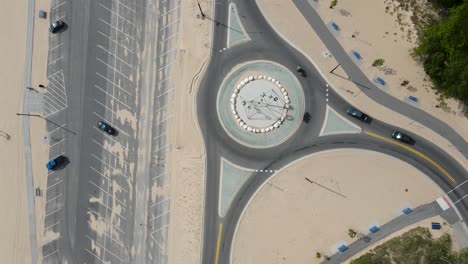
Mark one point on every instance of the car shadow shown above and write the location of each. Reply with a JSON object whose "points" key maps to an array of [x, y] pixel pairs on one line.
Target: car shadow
{"points": [[62, 164], [116, 133]]}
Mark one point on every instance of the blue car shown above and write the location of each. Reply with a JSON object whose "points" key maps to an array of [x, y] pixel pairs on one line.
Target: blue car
{"points": [[56, 163]]}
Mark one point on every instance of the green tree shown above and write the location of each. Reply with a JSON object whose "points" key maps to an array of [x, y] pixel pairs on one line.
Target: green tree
{"points": [[444, 53]]}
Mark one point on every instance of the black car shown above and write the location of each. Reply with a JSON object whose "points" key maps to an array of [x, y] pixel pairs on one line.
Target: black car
{"points": [[301, 71], [357, 114], [56, 26], [402, 137], [306, 117], [106, 128]]}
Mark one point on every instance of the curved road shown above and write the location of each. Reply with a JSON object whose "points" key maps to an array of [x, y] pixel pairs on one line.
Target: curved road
{"points": [[265, 44]]}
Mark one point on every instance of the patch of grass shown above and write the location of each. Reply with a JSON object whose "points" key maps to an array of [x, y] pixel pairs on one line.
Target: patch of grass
{"points": [[378, 62], [333, 3]]}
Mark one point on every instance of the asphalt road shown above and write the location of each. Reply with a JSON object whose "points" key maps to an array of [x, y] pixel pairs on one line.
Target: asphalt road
{"points": [[265, 44], [111, 63]]}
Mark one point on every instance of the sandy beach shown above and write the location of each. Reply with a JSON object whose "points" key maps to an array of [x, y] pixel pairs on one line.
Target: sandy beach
{"points": [[306, 40], [307, 218], [188, 157], [14, 245]]}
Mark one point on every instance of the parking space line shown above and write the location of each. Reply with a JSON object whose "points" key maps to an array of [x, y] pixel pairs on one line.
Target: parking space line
{"points": [[46, 101], [108, 194], [129, 8], [161, 161], [108, 179], [51, 89], [47, 110], [159, 229], [59, 5], [56, 101], [114, 84], [156, 217], [105, 106], [115, 70], [107, 222], [53, 103], [171, 23], [164, 120], [159, 245], [60, 18], [105, 249], [165, 146], [167, 78], [56, 73], [53, 212], [116, 42], [57, 80], [166, 39], [166, 92], [113, 98], [118, 30], [160, 135], [55, 129], [170, 11], [163, 200], [112, 124], [108, 165], [169, 51], [53, 198], [109, 137], [161, 108], [52, 225], [118, 15], [50, 254], [54, 61], [117, 57], [160, 175], [115, 240], [89, 251], [115, 155], [51, 146], [107, 207], [165, 66], [56, 47]]}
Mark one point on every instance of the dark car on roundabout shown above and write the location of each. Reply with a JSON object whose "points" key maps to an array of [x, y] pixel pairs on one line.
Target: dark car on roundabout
{"points": [[357, 114], [402, 137]]}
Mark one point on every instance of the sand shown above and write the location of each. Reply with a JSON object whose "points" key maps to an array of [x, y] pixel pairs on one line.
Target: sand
{"points": [[15, 247], [307, 218], [396, 55], [187, 159], [14, 244]]}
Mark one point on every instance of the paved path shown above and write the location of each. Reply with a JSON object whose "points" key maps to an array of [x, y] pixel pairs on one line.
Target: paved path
{"points": [[420, 213], [26, 135]]}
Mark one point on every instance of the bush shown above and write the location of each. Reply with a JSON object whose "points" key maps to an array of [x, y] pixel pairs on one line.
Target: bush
{"points": [[378, 62], [333, 3]]}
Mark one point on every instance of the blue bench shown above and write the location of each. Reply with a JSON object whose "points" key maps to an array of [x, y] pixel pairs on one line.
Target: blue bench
{"points": [[436, 226], [374, 229], [357, 55], [335, 26], [407, 210], [380, 80], [412, 98], [342, 248]]}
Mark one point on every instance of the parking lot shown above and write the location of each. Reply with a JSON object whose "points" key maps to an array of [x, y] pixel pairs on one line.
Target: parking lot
{"points": [[94, 203]]}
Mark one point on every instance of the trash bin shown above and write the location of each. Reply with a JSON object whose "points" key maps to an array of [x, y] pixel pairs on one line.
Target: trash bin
{"points": [[42, 14]]}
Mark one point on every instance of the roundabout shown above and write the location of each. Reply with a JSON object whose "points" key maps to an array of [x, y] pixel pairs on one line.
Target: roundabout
{"points": [[260, 104]]}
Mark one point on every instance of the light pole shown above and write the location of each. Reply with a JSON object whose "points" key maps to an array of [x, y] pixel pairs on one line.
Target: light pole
{"points": [[68, 130]]}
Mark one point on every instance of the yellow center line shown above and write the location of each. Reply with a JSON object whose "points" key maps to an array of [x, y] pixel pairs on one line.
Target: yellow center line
{"points": [[218, 243], [414, 151]]}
